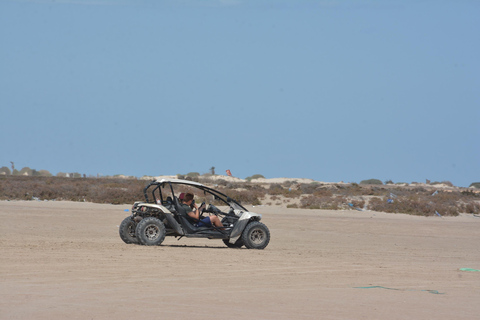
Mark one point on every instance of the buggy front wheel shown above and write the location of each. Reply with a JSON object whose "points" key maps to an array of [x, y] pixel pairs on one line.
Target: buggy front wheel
{"points": [[256, 235], [150, 231]]}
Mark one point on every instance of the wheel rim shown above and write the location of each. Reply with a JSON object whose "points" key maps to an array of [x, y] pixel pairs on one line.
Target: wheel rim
{"points": [[131, 230], [257, 236], [152, 232]]}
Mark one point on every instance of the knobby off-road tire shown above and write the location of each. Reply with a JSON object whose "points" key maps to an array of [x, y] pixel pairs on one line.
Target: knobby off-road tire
{"points": [[127, 231], [256, 235], [150, 231], [238, 244]]}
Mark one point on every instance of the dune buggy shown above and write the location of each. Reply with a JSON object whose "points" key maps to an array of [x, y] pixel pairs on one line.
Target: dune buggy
{"points": [[162, 215]]}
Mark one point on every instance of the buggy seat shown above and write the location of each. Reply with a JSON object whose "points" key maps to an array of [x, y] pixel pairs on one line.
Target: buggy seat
{"points": [[184, 219]]}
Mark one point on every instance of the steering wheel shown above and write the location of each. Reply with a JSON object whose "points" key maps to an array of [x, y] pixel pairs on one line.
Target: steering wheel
{"points": [[201, 209]]}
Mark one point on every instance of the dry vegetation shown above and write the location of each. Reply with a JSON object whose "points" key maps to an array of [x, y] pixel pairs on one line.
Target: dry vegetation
{"points": [[103, 190], [424, 200]]}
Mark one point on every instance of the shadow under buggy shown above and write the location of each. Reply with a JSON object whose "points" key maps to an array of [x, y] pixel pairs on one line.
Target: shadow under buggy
{"points": [[159, 216]]}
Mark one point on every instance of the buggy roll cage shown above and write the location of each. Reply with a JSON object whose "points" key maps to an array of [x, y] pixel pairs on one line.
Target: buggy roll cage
{"points": [[162, 183]]}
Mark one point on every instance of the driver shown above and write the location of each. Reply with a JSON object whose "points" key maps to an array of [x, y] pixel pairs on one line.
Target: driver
{"points": [[195, 213]]}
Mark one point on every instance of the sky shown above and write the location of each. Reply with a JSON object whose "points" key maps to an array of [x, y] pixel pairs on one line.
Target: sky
{"points": [[329, 90]]}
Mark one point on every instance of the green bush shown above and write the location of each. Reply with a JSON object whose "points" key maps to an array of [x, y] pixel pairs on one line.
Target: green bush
{"points": [[475, 185], [255, 176], [193, 174], [371, 181], [26, 171]]}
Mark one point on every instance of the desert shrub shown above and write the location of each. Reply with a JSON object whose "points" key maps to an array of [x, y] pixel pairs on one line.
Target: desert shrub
{"points": [[101, 190], [371, 181], [327, 203], [5, 171], [26, 171], [255, 176], [290, 193], [193, 174], [418, 200], [470, 194], [357, 203], [288, 183], [43, 173], [419, 190], [354, 189], [275, 189], [475, 185], [244, 196], [411, 205], [322, 193], [471, 208], [425, 204], [221, 182], [308, 188]]}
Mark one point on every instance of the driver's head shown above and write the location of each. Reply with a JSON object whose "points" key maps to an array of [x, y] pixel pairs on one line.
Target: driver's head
{"points": [[181, 197], [188, 197]]}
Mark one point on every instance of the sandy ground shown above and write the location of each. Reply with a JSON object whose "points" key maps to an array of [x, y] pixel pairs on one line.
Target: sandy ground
{"points": [[65, 260]]}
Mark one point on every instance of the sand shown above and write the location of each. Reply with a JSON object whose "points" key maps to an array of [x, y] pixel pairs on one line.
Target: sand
{"points": [[65, 260]]}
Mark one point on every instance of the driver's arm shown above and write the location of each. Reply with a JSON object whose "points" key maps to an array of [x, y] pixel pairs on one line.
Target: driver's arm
{"points": [[195, 214]]}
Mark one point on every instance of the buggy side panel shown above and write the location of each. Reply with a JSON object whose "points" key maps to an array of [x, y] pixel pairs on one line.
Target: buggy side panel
{"points": [[156, 206], [242, 223], [174, 224], [238, 228]]}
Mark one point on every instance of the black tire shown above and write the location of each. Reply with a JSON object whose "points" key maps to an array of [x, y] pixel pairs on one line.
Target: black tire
{"points": [[127, 231], [150, 232], [238, 244], [256, 235]]}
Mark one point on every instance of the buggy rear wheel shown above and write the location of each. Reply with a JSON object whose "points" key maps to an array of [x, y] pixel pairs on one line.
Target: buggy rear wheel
{"points": [[127, 230], [256, 235], [150, 231]]}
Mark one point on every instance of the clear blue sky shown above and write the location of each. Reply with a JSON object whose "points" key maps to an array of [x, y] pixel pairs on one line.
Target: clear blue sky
{"points": [[330, 90]]}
